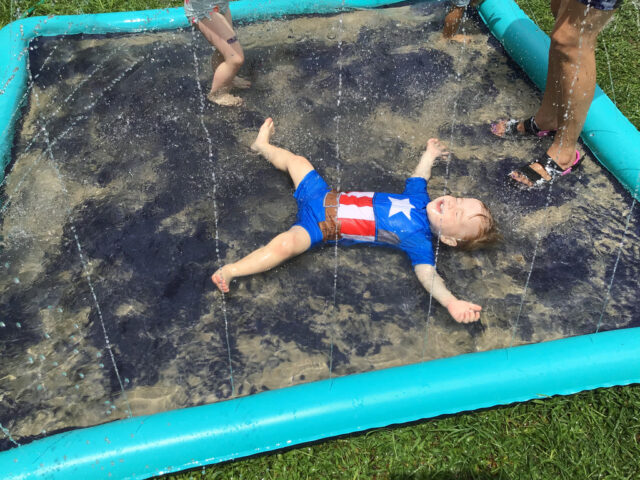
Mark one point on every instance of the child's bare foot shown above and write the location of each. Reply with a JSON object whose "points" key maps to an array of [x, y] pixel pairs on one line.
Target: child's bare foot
{"points": [[239, 82], [264, 135], [460, 38], [224, 98], [222, 279]]}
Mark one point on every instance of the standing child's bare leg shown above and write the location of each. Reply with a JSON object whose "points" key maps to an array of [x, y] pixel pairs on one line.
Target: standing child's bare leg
{"points": [[286, 245], [238, 81], [218, 31]]}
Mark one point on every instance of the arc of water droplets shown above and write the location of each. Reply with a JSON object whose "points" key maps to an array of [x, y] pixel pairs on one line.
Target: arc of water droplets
{"points": [[87, 274], [8, 435], [606, 52], [215, 204], [50, 145], [338, 186], [444, 190], [550, 188], [16, 112], [26, 93], [24, 96], [615, 265], [42, 129]]}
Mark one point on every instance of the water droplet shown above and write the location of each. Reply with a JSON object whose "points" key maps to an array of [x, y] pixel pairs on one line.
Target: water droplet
{"points": [[2, 324], [55, 364], [16, 280], [18, 324], [81, 375], [46, 335], [102, 365], [98, 355]]}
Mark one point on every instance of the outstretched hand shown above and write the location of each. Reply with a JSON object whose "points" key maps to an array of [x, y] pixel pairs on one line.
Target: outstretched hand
{"points": [[435, 149], [464, 312]]}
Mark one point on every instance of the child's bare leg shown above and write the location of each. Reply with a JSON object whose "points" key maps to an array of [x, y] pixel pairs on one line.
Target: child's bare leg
{"points": [[295, 165], [289, 244], [452, 21], [218, 31], [238, 82]]}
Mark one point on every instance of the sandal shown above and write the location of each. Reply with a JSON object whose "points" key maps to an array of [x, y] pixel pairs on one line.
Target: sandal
{"points": [[530, 129], [537, 181]]}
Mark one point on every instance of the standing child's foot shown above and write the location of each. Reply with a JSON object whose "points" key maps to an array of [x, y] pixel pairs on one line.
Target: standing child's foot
{"points": [[239, 82], [224, 98], [222, 279], [264, 135]]}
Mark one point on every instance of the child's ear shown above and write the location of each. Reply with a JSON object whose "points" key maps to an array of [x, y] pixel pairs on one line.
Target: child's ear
{"points": [[451, 241]]}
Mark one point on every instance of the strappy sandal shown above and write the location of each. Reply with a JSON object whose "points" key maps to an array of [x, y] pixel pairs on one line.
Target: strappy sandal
{"points": [[537, 181], [530, 129]]}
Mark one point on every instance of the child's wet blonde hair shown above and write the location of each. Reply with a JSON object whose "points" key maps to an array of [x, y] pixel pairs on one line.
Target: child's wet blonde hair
{"points": [[487, 235]]}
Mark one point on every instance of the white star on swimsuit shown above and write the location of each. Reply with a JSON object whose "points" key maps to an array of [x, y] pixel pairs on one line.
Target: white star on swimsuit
{"points": [[400, 206]]}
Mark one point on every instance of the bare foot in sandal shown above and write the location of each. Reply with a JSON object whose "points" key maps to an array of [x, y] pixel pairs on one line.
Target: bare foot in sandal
{"points": [[519, 128], [540, 172]]}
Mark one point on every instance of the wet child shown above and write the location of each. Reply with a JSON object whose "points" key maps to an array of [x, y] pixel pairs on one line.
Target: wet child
{"points": [[405, 221], [213, 19]]}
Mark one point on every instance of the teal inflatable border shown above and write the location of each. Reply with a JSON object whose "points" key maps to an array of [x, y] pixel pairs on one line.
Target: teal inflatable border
{"points": [[143, 447]]}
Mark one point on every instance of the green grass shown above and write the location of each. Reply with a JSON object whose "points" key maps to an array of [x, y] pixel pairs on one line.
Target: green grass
{"points": [[589, 435], [585, 436]]}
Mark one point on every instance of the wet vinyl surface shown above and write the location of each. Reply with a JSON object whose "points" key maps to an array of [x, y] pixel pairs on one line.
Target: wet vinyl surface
{"points": [[128, 189]]}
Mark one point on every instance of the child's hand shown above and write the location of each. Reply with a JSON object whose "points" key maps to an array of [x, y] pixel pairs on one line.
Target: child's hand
{"points": [[435, 149], [464, 312]]}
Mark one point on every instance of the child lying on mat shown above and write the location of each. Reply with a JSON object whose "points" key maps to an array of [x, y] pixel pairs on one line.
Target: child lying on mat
{"points": [[403, 220]]}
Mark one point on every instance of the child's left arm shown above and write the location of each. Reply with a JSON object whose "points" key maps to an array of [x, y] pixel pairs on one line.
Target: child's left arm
{"points": [[435, 149], [461, 310]]}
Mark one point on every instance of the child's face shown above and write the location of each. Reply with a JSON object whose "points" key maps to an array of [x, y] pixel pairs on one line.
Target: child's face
{"points": [[459, 218]]}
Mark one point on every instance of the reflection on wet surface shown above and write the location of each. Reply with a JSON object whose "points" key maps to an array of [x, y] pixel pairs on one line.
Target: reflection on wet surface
{"points": [[109, 227]]}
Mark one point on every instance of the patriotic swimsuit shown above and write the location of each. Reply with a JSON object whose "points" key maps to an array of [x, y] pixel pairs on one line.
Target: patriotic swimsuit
{"points": [[395, 220]]}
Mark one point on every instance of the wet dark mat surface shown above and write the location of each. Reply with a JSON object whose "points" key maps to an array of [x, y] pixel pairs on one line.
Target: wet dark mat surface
{"points": [[109, 237]]}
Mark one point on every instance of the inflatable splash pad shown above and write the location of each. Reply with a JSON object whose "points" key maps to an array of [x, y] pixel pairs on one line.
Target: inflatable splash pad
{"points": [[124, 191]]}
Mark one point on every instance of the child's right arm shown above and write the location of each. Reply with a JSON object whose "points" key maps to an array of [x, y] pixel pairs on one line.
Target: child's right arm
{"points": [[461, 310], [435, 149]]}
